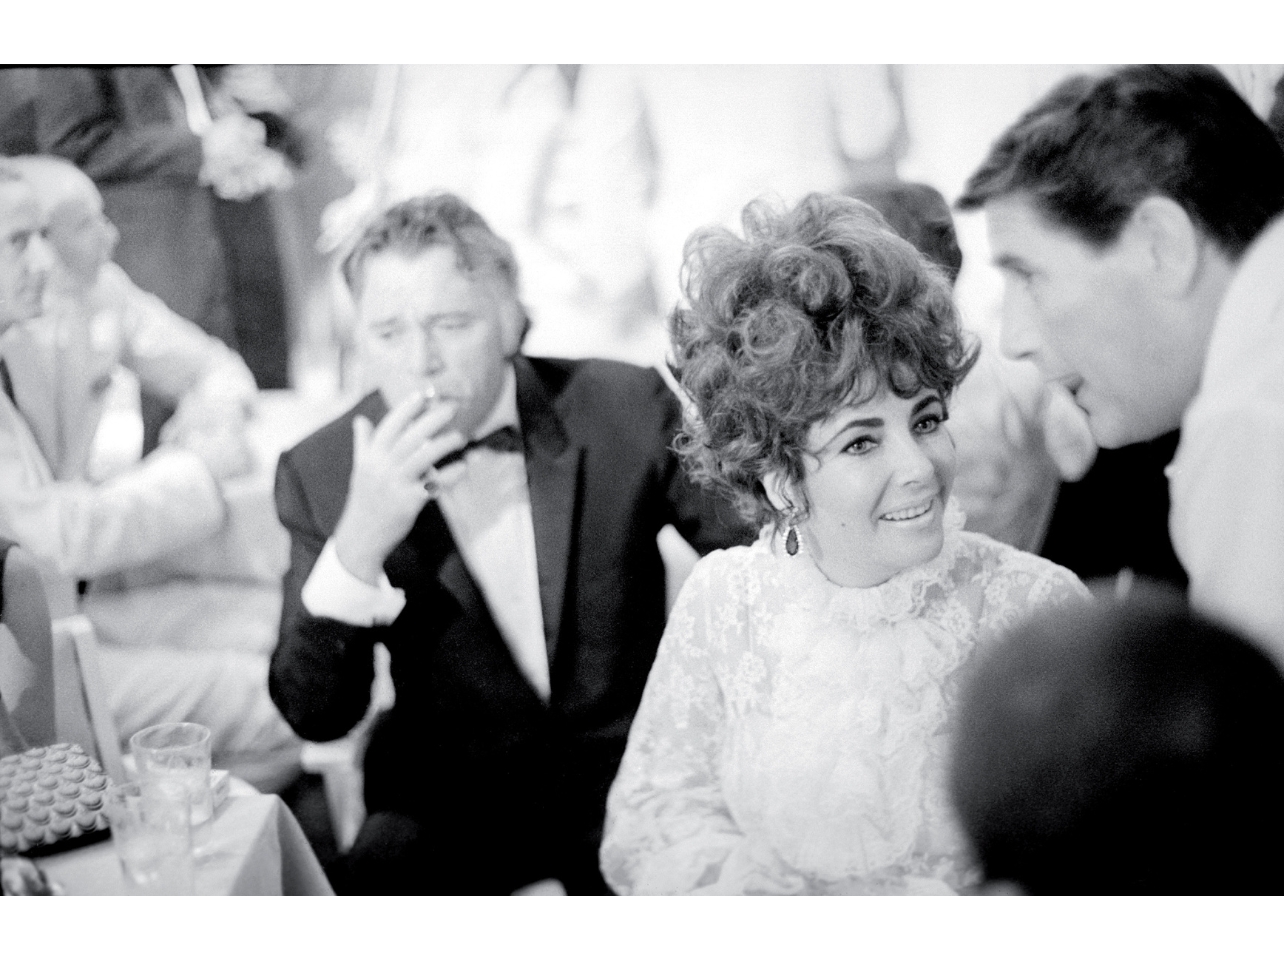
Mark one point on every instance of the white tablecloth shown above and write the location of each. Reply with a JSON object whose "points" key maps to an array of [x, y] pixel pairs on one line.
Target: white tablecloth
{"points": [[258, 849]]}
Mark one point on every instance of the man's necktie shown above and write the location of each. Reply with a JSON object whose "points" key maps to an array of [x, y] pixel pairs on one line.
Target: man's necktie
{"points": [[503, 440], [7, 382]]}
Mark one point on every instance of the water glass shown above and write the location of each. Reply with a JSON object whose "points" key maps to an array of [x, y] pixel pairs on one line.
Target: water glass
{"points": [[151, 829], [179, 753]]}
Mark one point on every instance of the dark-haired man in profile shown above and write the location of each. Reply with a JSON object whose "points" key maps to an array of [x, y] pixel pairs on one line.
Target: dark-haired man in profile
{"points": [[1136, 219], [491, 519]]}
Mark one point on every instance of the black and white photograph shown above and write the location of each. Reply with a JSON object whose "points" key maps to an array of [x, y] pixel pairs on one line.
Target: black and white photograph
{"points": [[622, 479]]}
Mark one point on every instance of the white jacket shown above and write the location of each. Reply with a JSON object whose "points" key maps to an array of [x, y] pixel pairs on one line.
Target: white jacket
{"points": [[77, 529]]}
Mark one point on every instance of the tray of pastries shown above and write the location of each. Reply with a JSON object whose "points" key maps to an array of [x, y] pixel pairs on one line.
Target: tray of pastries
{"points": [[51, 799]]}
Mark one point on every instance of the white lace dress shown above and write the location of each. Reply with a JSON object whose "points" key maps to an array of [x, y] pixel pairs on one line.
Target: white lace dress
{"points": [[792, 735]]}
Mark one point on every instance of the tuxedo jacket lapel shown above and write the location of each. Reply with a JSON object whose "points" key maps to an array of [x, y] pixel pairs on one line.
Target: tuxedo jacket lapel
{"points": [[332, 474], [553, 464]]}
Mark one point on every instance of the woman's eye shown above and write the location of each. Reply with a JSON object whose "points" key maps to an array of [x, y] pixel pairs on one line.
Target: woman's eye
{"points": [[860, 445], [931, 422]]}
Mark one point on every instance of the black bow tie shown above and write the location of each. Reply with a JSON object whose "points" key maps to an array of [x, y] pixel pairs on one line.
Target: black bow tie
{"points": [[503, 440]]}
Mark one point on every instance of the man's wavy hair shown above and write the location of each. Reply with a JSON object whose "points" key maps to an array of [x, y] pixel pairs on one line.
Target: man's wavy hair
{"points": [[1096, 146], [817, 306], [435, 220]]}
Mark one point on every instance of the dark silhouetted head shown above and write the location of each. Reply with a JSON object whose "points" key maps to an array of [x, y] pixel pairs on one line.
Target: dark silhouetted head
{"points": [[1127, 748]]}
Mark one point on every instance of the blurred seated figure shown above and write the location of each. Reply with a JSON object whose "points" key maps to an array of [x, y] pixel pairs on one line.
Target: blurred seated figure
{"points": [[1123, 749], [185, 649], [94, 319]]}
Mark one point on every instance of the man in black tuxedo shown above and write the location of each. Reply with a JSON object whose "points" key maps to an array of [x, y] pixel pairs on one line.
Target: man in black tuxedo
{"points": [[491, 519]]}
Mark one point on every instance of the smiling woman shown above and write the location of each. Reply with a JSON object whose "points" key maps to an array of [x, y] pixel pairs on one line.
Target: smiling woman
{"points": [[792, 734], [821, 351]]}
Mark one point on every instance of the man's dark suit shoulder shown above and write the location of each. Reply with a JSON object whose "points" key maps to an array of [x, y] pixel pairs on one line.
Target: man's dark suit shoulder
{"points": [[610, 398], [319, 447], [319, 465]]}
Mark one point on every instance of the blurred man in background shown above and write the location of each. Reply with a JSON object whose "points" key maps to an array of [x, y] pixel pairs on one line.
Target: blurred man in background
{"points": [[183, 168]]}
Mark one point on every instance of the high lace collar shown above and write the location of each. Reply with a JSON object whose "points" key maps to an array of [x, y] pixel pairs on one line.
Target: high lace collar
{"points": [[897, 598]]}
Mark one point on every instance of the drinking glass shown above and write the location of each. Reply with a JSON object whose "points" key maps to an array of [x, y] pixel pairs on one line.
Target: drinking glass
{"points": [[151, 829], [179, 753]]}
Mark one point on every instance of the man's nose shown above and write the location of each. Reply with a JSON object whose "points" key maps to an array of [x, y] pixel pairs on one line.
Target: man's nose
{"points": [[1018, 335], [425, 351]]}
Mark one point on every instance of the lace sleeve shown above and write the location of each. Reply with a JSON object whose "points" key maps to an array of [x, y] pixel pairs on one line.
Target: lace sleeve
{"points": [[668, 829]]}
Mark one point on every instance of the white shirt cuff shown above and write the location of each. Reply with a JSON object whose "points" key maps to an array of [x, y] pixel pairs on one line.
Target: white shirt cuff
{"points": [[331, 591]]}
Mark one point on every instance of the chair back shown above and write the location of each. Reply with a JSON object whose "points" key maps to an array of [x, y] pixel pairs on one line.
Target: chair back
{"points": [[26, 650], [81, 705]]}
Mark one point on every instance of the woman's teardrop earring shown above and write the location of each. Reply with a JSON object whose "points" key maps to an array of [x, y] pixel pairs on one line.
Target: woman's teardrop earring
{"points": [[791, 533]]}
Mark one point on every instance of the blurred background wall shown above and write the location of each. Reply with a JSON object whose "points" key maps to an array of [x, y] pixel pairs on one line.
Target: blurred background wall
{"points": [[598, 174]]}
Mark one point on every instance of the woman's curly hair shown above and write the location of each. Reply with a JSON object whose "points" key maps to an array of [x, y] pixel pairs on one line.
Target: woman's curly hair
{"points": [[818, 306]]}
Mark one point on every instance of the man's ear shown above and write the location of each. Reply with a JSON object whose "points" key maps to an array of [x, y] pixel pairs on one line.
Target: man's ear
{"points": [[512, 316], [1170, 245], [512, 325]]}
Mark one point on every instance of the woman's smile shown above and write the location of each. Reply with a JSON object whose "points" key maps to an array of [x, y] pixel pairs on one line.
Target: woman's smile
{"points": [[908, 514]]}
